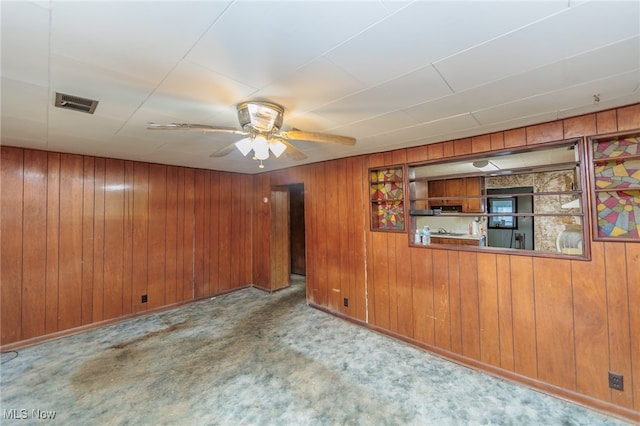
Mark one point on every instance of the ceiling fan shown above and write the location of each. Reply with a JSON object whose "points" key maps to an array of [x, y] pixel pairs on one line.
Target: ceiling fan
{"points": [[260, 123]]}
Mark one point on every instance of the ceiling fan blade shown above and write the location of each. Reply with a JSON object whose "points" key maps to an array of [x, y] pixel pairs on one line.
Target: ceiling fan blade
{"points": [[293, 152], [224, 151], [195, 127], [299, 135]]}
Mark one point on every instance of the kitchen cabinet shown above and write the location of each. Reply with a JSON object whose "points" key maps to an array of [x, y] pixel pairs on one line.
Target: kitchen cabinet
{"points": [[473, 188], [455, 192]]}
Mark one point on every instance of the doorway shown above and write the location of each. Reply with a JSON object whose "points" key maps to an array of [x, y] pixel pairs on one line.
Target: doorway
{"points": [[510, 231], [296, 229]]}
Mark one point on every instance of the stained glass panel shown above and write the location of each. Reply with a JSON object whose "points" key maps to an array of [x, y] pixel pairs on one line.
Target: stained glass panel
{"points": [[617, 174], [386, 191], [616, 147], [387, 195], [619, 213], [389, 215], [387, 175]]}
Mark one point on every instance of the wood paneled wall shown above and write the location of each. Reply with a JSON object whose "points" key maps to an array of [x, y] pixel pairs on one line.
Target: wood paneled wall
{"points": [[83, 238], [557, 324]]}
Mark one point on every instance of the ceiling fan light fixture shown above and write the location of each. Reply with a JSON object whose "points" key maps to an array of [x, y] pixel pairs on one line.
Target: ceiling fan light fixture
{"points": [[260, 148], [260, 116], [244, 146], [277, 147]]}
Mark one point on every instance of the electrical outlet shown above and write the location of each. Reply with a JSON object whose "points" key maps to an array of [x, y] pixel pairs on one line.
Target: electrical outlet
{"points": [[345, 302], [616, 381], [144, 298]]}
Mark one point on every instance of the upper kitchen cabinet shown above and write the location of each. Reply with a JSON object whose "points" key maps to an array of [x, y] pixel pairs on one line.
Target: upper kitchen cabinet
{"points": [[615, 174], [456, 194], [387, 199]]}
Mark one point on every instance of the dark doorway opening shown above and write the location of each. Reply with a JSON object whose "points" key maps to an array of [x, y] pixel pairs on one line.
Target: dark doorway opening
{"points": [[296, 229]]}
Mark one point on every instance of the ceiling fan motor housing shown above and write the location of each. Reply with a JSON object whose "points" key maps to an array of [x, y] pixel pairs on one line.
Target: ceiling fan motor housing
{"points": [[260, 117]]}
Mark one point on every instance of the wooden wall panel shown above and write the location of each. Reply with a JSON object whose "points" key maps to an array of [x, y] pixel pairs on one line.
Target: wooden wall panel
{"points": [[469, 302], [343, 192], [89, 236], [488, 309], [247, 240], [188, 292], [199, 232], [453, 262], [279, 249], [524, 321], [404, 294], [441, 299], [224, 232], [423, 303], [98, 239], [260, 229], [505, 313], [89, 190], [70, 242], [555, 329], [332, 215], [113, 238], [140, 234], [633, 285], [171, 237], [617, 308], [156, 242], [11, 242], [591, 331], [214, 234], [127, 273], [237, 232], [379, 280], [34, 252]]}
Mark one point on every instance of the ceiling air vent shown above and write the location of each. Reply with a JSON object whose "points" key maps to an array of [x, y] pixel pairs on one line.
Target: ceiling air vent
{"points": [[75, 103]]}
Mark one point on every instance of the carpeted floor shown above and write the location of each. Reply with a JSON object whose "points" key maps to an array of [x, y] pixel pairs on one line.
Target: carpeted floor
{"points": [[251, 358]]}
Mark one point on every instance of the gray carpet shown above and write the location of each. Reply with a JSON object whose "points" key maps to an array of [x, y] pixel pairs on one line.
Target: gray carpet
{"points": [[250, 358]]}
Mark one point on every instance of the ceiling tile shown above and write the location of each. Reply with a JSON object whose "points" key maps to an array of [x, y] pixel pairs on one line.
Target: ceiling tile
{"points": [[130, 37], [577, 29], [314, 84], [25, 42], [618, 85], [428, 31], [248, 45], [193, 93]]}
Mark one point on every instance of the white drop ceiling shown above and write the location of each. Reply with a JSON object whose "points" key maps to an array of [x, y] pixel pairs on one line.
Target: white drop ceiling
{"points": [[391, 74]]}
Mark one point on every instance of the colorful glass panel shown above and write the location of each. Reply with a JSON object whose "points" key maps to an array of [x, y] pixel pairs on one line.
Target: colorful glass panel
{"points": [[617, 174], [387, 191], [387, 175], [619, 213], [388, 215], [617, 147], [387, 195]]}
